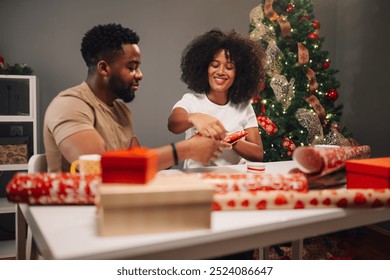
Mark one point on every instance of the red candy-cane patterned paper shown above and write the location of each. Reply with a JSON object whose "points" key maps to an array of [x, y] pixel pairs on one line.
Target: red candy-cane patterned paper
{"points": [[341, 198], [334, 158], [52, 188], [226, 182]]}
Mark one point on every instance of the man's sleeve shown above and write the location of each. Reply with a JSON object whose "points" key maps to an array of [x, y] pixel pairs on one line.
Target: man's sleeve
{"points": [[68, 115]]}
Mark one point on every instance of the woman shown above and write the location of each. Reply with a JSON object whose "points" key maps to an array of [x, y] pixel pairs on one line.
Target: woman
{"points": [[225, 71]]}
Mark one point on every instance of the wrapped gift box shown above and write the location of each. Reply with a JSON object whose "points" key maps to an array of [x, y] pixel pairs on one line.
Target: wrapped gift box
{"points": [[167, 203], [368, 173], [136, 165]]}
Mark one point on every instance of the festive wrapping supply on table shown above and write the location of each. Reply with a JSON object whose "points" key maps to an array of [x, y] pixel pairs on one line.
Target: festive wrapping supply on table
{"points": [[368, 173], [135, 165], [327, 160], [231, 191], [66, 188], [52, 188], [166, 203], [329, 198], [225, 182]]}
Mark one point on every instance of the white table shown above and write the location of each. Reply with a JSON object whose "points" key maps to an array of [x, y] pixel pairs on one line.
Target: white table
{"points": [[70, 232]]}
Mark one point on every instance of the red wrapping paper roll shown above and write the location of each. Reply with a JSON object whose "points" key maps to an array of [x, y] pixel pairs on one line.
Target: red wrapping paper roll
{"points": [[52, 188], [263, 200], [225, 182], [327, 160]]}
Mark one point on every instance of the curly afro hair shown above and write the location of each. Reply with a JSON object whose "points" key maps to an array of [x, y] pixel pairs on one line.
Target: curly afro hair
{"points": [[247, 55], [105, 42]]}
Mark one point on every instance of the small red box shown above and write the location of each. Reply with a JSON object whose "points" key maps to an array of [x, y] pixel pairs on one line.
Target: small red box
{"points": [[373, 173], [136, 165]]}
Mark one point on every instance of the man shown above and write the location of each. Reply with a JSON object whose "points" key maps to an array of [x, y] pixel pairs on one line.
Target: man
{"points": [[90, 118]]}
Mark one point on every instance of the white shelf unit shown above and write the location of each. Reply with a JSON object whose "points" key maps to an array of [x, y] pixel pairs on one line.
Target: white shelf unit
{"points": [[18, 121]]}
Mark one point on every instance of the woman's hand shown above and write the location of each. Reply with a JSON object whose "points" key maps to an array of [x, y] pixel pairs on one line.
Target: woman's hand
{"points": [[207, 126]]}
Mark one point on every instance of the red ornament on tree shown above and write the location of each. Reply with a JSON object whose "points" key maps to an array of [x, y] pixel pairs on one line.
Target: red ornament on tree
{"points": [[256, 99], [325, 65], [313, 36], [305, 17], [332, 95], [290, 7], [316, 24]]}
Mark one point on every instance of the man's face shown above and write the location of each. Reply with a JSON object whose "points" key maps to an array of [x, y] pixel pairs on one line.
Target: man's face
{"points": [[126, 74]]}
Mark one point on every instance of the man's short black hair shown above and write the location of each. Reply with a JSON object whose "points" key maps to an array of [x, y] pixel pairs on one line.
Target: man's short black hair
{"points": [[248, 57], [105, 42]]}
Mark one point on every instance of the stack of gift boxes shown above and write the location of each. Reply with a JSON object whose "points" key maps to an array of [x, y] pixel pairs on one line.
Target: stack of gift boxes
{"points": [[132, 198]]}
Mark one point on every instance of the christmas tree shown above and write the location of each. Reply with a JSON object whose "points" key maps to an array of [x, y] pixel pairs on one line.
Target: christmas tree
{"points": [[296, 106]]}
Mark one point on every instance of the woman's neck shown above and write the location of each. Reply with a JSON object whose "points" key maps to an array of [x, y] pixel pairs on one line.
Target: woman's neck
{"points": [[220, 98]]}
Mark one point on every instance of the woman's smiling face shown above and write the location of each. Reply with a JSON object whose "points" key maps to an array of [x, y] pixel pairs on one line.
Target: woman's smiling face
{"points": [[221, 72]]}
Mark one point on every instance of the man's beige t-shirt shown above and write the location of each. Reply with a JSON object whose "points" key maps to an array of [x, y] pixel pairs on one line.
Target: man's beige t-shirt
{"points": [[77, 109]]}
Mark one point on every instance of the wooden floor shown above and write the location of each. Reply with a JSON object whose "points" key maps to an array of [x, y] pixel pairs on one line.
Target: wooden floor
{"points": [[366, 243]]}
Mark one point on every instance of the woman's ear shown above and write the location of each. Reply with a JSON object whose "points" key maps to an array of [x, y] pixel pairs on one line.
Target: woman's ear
{"points": [[103, 68]]}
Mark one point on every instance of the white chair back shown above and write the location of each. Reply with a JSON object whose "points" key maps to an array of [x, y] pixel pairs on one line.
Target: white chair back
{"points": [[37, 163]]}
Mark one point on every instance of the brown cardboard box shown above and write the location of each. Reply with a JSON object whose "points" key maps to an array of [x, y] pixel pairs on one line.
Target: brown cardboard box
{"points": [[167, 203], [13, 150]]}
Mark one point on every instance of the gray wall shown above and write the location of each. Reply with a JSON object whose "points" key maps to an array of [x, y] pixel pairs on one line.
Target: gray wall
{"points": [[46, 35]]}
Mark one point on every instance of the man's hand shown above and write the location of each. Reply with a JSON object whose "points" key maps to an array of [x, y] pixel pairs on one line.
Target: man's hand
{"points": [[205, 149]]}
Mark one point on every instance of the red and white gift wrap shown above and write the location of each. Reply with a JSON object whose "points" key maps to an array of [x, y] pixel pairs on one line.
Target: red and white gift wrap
{"points": [[263, 200], [327, 160], [232, 191], [53, 188], [266, 123], [243, 182]]}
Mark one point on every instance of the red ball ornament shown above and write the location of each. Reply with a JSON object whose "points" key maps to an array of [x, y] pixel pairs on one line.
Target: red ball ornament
{"points": [[316, 24], [313, 36], [332, 95], [305, 17], [256, 99], [325, 65], [290, 7]]}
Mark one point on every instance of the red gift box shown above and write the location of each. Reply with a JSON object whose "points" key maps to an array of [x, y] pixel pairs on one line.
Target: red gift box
{"points": [[371, 173], [136, 165]]}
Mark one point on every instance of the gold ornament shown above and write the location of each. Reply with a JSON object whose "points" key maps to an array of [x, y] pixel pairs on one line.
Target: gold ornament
{"points": [[273, 55], [261, 30], [256, 16], [284, 90], [310, 120], [334, 137]]}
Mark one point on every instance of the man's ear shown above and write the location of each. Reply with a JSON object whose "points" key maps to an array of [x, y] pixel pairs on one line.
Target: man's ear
{"points": [[103, 68]]}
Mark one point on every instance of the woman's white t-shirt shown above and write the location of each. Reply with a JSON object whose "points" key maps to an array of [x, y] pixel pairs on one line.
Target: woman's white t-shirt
{"points": [[234, 117]]}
